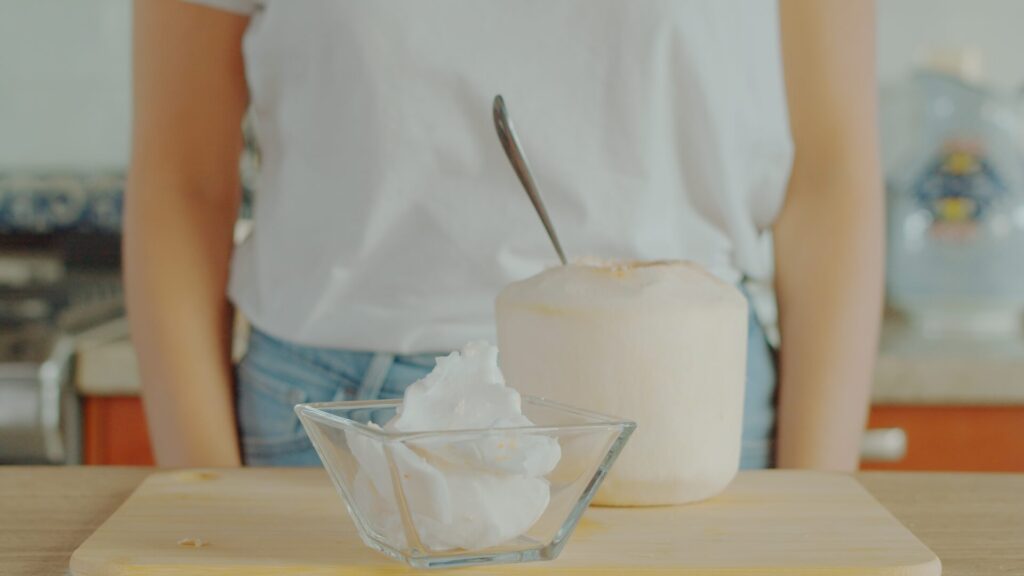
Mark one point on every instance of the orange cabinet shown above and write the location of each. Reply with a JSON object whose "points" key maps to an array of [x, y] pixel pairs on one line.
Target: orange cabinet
{"points": [[115, 431], [962, 438]]}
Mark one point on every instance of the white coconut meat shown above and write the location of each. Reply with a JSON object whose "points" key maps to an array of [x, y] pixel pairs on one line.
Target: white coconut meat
{"points": [[662, 343], [471, 491]]}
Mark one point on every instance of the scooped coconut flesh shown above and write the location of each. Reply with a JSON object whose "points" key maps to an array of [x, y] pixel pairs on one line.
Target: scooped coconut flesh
{"points": [[473, 492]]}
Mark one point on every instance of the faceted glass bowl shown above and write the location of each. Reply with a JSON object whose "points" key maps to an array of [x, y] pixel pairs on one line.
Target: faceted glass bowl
{"points": [[343, 433]]}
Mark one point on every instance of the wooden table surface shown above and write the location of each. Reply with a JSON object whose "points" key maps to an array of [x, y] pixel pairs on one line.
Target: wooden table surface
{"points": [[973, 522]]}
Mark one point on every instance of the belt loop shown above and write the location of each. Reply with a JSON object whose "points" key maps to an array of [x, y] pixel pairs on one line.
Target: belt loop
{"points": [[376, 374]]}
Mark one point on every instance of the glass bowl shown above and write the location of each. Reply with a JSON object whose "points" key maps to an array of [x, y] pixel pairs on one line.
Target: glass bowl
{"points": [[461, 497]]}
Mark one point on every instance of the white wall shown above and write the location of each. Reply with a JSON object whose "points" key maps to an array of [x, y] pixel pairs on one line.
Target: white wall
{"points": [[64, 82], [908, 30], [64, 68]]}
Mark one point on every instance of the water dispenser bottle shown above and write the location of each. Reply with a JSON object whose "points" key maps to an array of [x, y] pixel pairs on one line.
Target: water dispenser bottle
{"points": [[956, 211]]}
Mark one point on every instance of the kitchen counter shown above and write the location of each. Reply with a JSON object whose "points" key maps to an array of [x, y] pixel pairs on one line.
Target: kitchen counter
{"points": [[973, 522], [961, 371], [911, 369]]}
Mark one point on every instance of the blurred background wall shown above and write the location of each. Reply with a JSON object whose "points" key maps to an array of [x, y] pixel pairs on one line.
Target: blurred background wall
{"points": [[909, 30], [65, 94], [65, 68]]}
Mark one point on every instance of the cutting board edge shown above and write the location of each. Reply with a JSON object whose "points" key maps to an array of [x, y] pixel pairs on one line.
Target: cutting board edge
{"points": [[86, 561], [103, 568], [933, 565], [80, 563]]}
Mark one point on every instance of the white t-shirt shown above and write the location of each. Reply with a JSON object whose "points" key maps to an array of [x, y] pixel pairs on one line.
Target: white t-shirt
{"points": [[387, 216]]}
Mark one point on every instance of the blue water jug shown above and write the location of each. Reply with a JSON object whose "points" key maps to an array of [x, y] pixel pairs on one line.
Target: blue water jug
{"points": [[956, 211]]}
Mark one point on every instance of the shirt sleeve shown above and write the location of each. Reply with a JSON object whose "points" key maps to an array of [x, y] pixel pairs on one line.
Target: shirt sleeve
{"points": [[246, 7]]}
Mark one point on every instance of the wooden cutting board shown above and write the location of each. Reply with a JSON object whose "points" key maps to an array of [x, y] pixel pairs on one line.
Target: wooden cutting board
{"points": [[291, 521]]}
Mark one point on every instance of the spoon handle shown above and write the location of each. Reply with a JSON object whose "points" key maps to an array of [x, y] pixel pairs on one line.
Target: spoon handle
{"points": [[509, 141]]}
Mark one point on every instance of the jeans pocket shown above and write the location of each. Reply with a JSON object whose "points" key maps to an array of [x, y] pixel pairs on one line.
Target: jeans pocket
{"points": [[404, 371], [267, 390]]}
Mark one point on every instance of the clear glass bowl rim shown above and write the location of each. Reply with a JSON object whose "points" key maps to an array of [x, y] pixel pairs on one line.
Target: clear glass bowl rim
{"points": [[317, 411]]}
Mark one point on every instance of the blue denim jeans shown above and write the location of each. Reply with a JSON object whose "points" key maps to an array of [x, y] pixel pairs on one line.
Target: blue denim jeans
{"points": [[275, 375]]}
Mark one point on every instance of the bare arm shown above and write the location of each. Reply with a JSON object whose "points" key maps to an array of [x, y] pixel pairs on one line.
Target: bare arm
{"points": [[180, 209], [829, 236]]}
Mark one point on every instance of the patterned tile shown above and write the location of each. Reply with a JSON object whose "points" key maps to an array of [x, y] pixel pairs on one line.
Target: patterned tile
{"points": [[46, 201]]}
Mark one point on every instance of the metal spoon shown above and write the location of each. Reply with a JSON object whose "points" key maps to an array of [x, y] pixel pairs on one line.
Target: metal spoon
{"points": [[509, 141]]}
